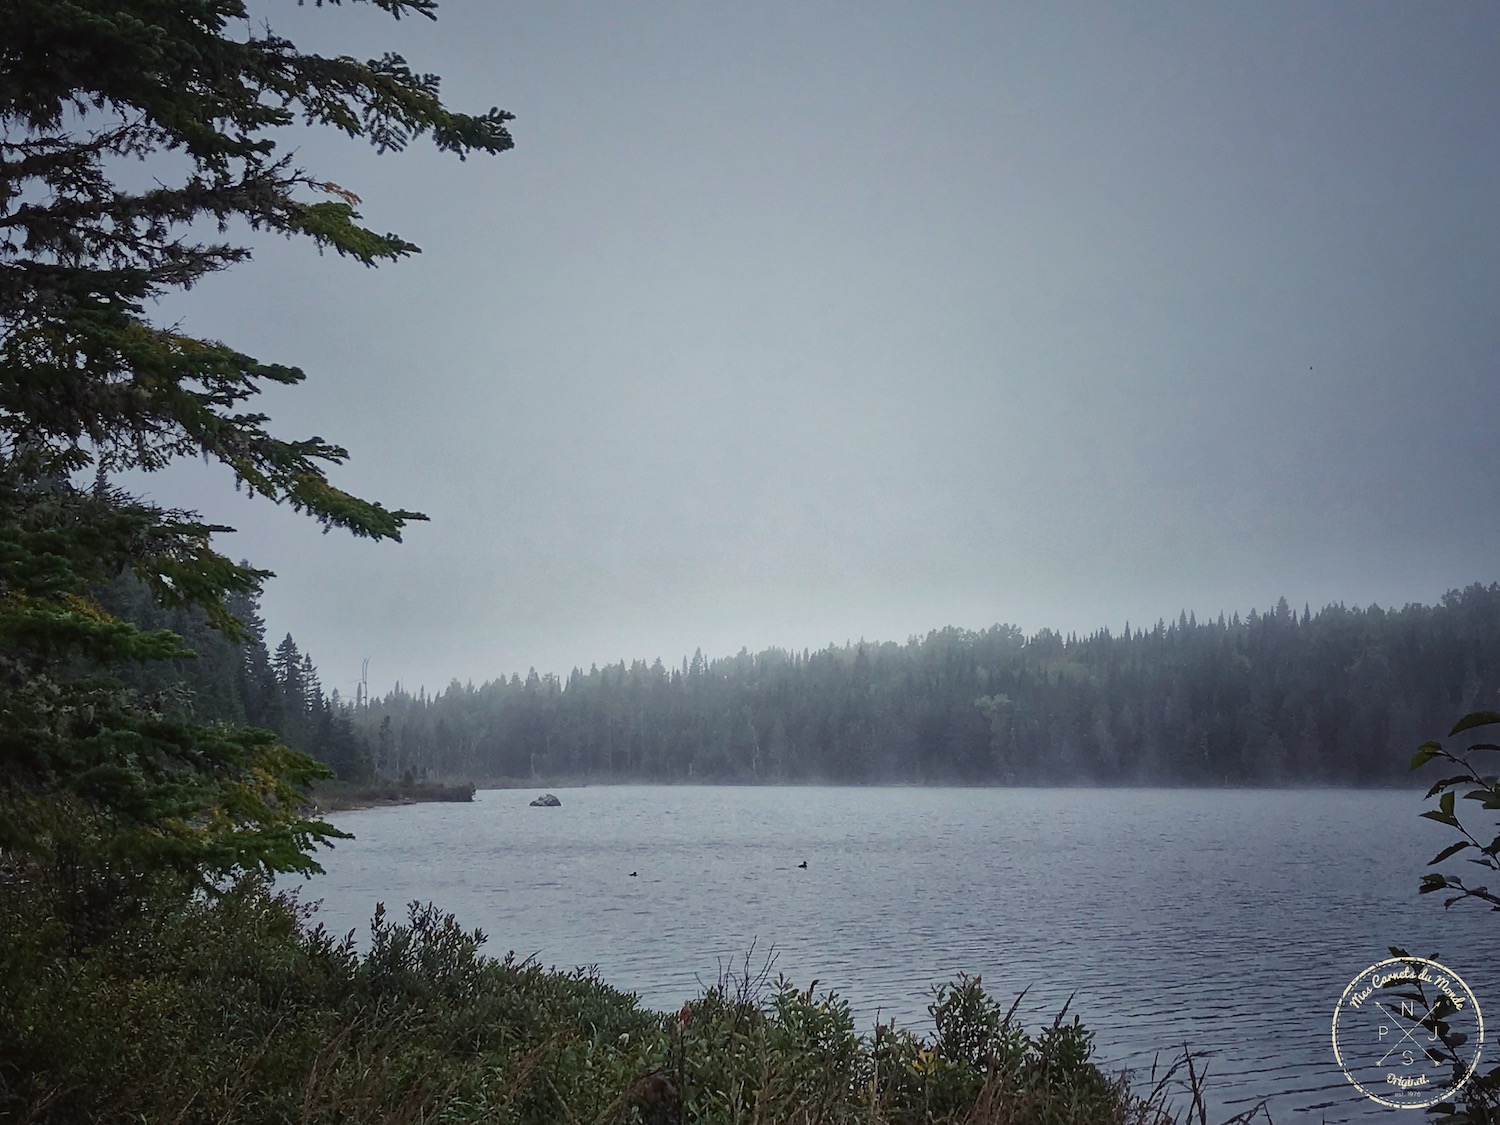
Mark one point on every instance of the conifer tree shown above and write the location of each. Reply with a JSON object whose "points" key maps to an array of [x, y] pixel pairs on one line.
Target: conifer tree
{"points": [[91, 773], [312, 687]]}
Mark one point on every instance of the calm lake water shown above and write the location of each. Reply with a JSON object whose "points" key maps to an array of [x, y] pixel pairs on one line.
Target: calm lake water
{"points": [[1230, 921]]}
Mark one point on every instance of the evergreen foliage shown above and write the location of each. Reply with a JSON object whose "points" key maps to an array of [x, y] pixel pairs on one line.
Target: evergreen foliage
{"points": [[94, 775], [241, 682], [1336, 697]]}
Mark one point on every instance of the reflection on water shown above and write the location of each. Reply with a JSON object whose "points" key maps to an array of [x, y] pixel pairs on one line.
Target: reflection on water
{"points": [[1229, 921]]}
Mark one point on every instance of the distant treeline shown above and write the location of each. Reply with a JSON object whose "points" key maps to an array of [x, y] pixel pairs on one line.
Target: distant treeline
{"points": [[1340, 696]]}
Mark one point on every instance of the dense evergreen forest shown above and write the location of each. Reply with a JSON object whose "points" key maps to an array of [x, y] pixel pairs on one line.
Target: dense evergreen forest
{"points": [[243, 683], [1342, 696], [1338, 696]]}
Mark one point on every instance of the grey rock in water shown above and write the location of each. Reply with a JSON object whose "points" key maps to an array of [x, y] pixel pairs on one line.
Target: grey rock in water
{"points": [[546, 801]]}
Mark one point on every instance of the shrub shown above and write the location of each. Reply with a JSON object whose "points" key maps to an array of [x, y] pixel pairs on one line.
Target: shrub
{"points": [[232, 1007]]}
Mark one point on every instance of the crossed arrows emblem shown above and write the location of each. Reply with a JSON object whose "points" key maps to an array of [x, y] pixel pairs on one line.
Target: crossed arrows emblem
{"points": [[1405, 1035]]}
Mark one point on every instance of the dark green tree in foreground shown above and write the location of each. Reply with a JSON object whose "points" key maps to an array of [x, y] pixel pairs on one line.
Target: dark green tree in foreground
{"points": [[95, 777]]}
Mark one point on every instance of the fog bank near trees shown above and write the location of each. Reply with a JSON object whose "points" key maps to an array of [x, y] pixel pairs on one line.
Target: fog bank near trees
{"points": [[1340, 696]]}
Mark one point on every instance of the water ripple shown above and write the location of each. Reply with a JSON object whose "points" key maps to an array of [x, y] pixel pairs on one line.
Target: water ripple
{"points": [[1226, 921]]}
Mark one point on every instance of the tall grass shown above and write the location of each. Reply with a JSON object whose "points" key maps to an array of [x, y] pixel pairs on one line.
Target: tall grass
{"points": [[235, 1008]]}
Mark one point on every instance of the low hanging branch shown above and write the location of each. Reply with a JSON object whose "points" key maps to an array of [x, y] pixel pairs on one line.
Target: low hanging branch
{"points": [[89, 88]]}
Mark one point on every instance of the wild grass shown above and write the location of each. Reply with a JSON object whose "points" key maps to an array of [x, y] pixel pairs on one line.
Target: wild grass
{"points": [[235, 1009]]}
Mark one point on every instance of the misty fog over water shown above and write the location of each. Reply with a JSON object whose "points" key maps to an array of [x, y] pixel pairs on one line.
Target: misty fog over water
{"points": [[1229, 920]]}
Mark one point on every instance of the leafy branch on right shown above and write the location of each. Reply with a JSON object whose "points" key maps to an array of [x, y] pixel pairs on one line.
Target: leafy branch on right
{"points": [[1472, 786], [1481, 1096]]}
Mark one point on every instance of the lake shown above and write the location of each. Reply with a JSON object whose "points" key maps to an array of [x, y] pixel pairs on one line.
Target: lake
{"points": [[1227, 920]]}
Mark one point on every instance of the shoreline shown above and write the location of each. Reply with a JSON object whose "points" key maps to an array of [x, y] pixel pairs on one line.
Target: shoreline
{"points": [[544, 784], [345, 797], [330, 797]]}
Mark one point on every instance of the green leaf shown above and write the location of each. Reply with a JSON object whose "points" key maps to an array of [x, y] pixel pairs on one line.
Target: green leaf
{"points": [[1450, 850], [1439, 786], [1432, 883], [1425, 753], [1475, 719]]}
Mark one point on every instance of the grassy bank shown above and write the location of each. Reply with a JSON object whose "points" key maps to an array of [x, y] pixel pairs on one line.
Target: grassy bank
{"points": [[335, 796], [231, 1009]]}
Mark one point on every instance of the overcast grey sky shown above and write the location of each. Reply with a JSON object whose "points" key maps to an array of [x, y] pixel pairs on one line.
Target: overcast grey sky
{"points": [[789, 323]]}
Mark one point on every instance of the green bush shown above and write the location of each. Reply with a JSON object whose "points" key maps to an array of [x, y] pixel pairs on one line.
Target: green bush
{"points": [[231, 1007]]}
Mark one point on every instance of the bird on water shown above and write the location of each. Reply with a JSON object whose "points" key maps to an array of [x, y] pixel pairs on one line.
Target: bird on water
{"points": [[803, 864]]}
